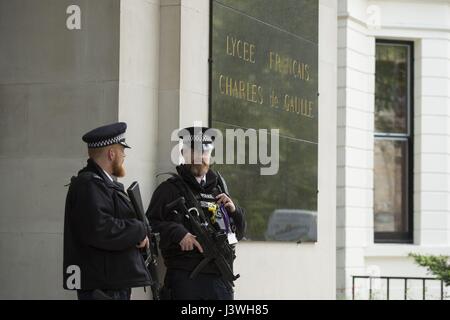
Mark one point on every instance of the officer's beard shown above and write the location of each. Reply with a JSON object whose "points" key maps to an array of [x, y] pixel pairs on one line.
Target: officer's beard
{"points": [[118, 169], [198, 170]]}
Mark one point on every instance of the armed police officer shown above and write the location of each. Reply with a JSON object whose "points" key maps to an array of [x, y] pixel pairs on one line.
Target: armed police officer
{"points": [[197, 244], [102, 237]]}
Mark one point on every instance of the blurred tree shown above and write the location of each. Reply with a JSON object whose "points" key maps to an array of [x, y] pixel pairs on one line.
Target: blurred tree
{"points": [[437, 265]]}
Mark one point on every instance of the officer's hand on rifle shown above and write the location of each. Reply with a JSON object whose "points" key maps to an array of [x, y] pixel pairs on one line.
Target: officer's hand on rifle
{"points": [[144, 243], [226, 201], [188, 242]]}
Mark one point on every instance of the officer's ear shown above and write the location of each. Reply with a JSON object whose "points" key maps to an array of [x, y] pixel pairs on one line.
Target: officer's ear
{"points": [[187, 153], [111, 154]]}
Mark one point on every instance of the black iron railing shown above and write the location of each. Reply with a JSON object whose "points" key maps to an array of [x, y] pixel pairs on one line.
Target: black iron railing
{"points": [[388, 282]]}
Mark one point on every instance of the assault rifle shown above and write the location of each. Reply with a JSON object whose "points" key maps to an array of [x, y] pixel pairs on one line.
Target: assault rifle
{"points": [[151, 253], [214, 243]]}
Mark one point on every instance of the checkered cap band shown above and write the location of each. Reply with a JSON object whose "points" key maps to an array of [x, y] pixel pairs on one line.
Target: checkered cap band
{"points": [[107, 142], [197, 138]]}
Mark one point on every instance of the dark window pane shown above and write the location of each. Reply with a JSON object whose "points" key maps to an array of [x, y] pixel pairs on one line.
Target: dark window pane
{"points": [[391, 88], [390, 183]]}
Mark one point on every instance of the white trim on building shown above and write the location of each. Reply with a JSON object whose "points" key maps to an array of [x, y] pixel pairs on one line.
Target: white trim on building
{"points": [[360, 23]]}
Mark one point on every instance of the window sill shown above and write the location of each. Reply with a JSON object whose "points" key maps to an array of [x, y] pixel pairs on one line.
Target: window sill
{"points": [[402, 250]]}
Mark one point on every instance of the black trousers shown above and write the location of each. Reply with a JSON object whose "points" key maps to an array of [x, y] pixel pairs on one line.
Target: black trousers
{"points": [[97, 294], [178, 286]]}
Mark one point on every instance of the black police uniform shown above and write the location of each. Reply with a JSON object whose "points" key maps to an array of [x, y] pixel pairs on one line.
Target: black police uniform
{"points": [[101, 230], [208, 284]]}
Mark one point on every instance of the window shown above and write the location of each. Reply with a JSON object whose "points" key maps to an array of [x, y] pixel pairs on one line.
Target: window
{"points": [[393, 150]]}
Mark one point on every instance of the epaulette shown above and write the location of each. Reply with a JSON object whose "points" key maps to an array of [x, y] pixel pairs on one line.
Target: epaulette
{"points": [[173, 176], [84, 175], [89, 174]]}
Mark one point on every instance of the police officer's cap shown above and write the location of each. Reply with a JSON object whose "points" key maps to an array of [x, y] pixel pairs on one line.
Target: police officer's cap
{"points": [[106, 135], [203, 135]]}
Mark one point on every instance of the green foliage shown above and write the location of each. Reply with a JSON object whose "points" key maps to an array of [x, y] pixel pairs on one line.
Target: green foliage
{"points": [[437, 265]]}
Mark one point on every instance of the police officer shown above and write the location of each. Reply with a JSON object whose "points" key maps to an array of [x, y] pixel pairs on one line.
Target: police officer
{"points": [[102, 237], [205, 189]]}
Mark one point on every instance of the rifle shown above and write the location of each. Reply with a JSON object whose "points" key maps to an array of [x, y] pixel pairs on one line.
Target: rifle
{"points": [[151, 253], [214, 243]]}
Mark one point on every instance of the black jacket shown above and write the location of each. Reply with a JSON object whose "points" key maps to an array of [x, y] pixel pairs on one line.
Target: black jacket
{"points": [[173, 228], [101, 232]]}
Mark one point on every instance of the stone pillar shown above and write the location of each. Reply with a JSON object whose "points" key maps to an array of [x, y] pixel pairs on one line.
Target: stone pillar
{"points": [[55, 84]]}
